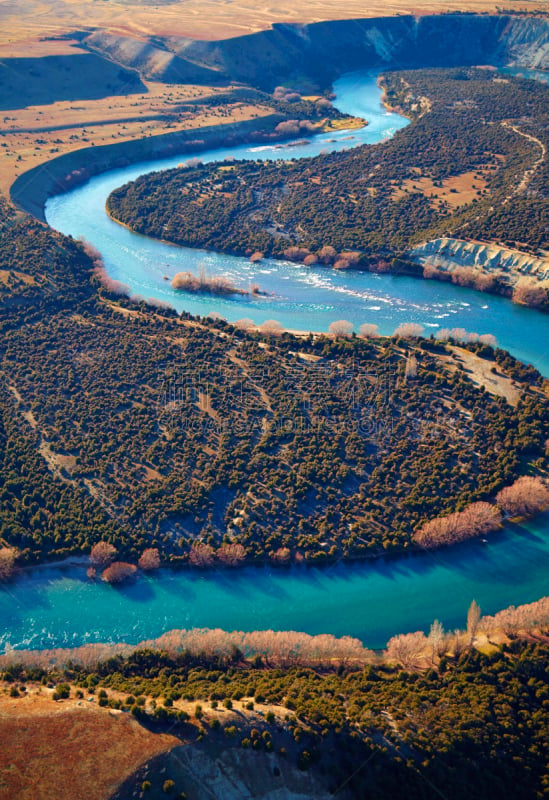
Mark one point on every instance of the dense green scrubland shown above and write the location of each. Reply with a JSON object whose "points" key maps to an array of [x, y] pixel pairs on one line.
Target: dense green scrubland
{"points": [[472, 726], [371, 199], [40, 270]]}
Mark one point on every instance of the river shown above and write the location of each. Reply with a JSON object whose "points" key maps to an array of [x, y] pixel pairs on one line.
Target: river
{"points": [[57, 606], [304, 298]]}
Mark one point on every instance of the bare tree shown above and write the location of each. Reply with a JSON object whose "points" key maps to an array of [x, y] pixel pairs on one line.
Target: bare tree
{"points": [[288, 127], [407, 649], [282, 555], [341, 328], [327, 254], [485, 283], [489, 339], [436, 639], [8, 557], [409, 330], [296, 253], [463, 276], [430, 272], [154, 302], [150, 559], [368, 331], [118, 571], [473, 619], [231, 554], [215, 284], [201, 555], [528, 294], [526, 617], [91, 251], [102, 554], [479, 518], [110, 284], [457, 334], [352, 256], [271, 327], [527, 496], [245, 324], [286, 94]]}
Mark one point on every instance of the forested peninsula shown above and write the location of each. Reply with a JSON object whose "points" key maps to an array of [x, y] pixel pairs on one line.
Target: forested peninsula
{"points": [[132, 425], [472, 164]]}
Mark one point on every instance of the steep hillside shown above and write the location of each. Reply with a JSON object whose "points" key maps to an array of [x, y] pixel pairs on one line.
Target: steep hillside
{"points": [[80, 76], [321, 51], [152, 59]]}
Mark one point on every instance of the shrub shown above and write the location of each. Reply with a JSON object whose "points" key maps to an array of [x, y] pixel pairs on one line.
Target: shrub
{"points": [[150, 559], [8, 556], [526, 496], [102, 554], [118, 572], [62, 692]]}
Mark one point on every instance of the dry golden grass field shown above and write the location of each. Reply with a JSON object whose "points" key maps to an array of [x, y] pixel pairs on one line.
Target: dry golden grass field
{"points": [[33, 135], [207, 19], [39, 119], [69, 749]]}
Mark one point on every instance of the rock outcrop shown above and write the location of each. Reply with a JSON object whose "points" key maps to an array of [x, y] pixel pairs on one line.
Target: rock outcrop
{"points": [[526, 43], [445, 254], [233, 773]]}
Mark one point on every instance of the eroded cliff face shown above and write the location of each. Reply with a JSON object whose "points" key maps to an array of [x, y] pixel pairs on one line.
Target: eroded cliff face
{"points": [[446, 254], [527, 42], [321, 51]]}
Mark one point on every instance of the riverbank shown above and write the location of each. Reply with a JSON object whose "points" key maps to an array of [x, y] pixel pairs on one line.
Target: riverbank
{"points": [[32, 189], [216, 566], [286, 648], [517, 286]]}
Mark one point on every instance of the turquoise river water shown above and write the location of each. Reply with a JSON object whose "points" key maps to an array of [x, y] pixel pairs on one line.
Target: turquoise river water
{"points": [[56, 606]]}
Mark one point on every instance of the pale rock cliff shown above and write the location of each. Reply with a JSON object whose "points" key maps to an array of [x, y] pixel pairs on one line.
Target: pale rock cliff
{"points": [[445, 254]]}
